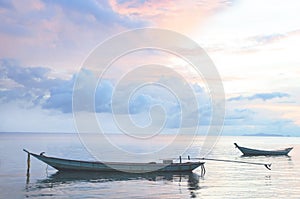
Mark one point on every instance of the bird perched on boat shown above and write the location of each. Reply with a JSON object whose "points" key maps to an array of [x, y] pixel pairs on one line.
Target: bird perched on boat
{"points": [[41, 154]]}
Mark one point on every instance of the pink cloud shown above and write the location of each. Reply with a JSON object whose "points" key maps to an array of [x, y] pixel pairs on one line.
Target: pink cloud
{"points": [[51, 34], [28, 6], [176, 15]]}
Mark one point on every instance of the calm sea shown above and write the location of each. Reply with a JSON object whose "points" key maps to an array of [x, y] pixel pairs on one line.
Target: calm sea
{"points": [[222, 180]]}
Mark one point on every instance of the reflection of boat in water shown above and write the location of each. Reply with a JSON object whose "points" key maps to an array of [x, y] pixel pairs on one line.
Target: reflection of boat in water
{"points": [[112, 184], [102, 177], [257, 152], [78, 165]]}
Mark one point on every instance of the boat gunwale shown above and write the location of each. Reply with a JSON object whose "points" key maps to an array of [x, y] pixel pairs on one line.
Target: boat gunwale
{"points": [[252, 151], [259, 150], [113, 163]]}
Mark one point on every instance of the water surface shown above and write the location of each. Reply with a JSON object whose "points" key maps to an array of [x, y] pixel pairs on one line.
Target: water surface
{"points": [[222, 180]]}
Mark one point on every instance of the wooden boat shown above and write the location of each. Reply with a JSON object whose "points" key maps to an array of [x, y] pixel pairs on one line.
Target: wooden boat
{"points": [[257, 152], [95, 166]]}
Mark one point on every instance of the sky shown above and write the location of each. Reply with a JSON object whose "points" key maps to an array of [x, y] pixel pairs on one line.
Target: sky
{"points": [[253, 44]]}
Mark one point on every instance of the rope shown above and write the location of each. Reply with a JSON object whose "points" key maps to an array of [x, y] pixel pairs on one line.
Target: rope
{"points": [[268, 166]]}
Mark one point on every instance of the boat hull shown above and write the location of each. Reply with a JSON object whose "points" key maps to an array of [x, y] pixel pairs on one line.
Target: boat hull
{"points": [[256, 152], [76, 165]]}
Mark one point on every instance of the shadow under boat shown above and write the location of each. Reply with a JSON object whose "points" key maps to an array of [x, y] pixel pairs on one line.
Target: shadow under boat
{"points": [[68, 179], [98, 177], [63, 177]]}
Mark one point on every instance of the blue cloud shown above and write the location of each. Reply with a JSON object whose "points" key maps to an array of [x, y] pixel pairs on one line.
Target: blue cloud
{"points": [[239, 117], [262, 96], [25, 23], [103, 96], [7, 4], [140, 103], [266, 39], [30, 23], [33, 85], [143, 103], [29, 77], [132, 4], [31, 82], [60, 97], [101, 10]]}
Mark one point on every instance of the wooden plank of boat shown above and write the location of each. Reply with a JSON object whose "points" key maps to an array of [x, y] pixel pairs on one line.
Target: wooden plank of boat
{"points": [[78, 165], [257, 152]]}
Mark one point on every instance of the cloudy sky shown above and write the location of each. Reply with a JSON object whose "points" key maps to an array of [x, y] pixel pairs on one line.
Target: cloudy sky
{"points": [[254, 45]]}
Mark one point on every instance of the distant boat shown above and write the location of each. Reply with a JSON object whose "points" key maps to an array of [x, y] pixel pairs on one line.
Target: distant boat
{"points": [[257, 152], [78, 165]]}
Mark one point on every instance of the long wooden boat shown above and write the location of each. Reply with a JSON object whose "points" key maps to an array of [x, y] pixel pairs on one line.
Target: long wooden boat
{"points": [[96, 166], [257, 152]]}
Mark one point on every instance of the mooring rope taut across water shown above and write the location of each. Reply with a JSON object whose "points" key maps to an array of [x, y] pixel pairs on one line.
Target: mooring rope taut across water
{"points": [[268, 166]]}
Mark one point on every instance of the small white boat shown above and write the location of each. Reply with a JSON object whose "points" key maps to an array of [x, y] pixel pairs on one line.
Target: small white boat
{"points": [[78, 165], [257, 152]]}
